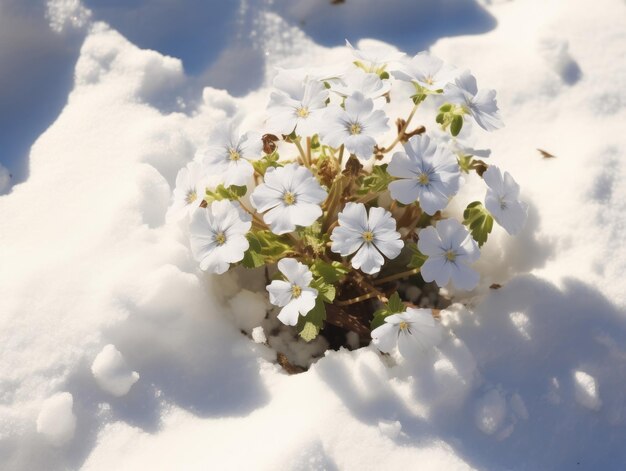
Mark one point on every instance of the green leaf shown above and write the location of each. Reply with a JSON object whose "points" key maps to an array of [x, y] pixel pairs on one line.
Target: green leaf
{"points": [[313, 237], [310, 325], [417, 257], [376, 181], [265, 247], [330, 272], [325, 290], [233, 192], [445, 108], [394, 306], [267, 161], [479, 221], [456, 125], [465, 163], [384, 75], [440, 118]]}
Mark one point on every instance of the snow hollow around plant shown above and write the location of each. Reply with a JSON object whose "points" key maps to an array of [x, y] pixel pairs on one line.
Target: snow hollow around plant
{"points": [[119, 354]]}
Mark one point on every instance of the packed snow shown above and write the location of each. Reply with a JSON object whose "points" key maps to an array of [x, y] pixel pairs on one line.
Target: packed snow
{"points": [[119, 353]]}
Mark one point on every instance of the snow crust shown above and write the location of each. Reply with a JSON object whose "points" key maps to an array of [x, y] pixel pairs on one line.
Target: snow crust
{"points": [[528, 376]]}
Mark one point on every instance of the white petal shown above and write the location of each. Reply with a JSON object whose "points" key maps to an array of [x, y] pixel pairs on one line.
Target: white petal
{"points": [[390, 248], [289, 314], [345, 241], [368, 259], [437, 269], [280, 292], [385, 337], [463, 277], [429, 242], [405, 191], [354, 216]]}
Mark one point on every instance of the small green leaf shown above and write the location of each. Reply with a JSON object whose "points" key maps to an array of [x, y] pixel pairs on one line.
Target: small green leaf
{"points": [[479, 221], [330, 272], [309, 331], [445, 108], [417, 257], [384, 75], [325, 290], [456, 125], [376, 181], [265, 247], [270, 160], [394, 306], [222, 193], [440, 118], [310, 325]]}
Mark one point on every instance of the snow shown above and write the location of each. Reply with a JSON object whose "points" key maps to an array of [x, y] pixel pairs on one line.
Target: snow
{"points": [[56, 421], [528, 376], [112, 373]]}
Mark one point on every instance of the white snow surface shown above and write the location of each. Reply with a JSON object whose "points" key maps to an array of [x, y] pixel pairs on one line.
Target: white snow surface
{"points": [[528, 376]]}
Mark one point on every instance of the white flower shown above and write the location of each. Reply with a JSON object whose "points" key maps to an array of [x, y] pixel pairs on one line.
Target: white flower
{"points": [[411, 331], [189, 192], [427, 173], [368, 84], [294, 295], [354, 127], [218, 235], [481, 104], [291, 196], [297, 104], [459, 145], [502, 200], [370, 237], [376, 56], [230, 154], [450, 250], [426, 71]]}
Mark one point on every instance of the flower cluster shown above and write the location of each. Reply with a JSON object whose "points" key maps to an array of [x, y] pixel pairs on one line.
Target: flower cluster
{"points": [[340, 206]]}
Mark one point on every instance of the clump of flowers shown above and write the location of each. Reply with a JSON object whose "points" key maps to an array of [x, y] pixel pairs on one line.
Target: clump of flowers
{"points": [[340, 207]]}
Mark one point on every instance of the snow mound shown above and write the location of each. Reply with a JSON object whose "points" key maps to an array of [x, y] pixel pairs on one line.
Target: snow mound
{"points": [[112, 373], [88, 260], [56, 421]]}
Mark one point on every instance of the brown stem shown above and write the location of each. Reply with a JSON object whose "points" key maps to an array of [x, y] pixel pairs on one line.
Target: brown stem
{"points": [[401, 132], [397, 276], [340, 318]]}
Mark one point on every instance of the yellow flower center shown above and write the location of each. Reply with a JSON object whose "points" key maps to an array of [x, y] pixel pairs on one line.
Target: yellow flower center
{"points": [[368, 236], [296, 291], [355, 129], [450, 255], [289, 198], [429, 80], [234, 155], [302, 112], [220, 238], [191, 197], [403, 325], [423, 179]]}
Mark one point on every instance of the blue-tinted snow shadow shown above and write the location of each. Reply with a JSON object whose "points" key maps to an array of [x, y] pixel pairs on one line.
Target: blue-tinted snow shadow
{"points": [[568, 329], [36, 74], [408, 24]]}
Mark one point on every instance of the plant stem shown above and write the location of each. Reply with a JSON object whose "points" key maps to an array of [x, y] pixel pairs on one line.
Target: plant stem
{"points": [[402, 131], [308, 151], [302, 154], [340, 160], [358, 299], [397, 276]]}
